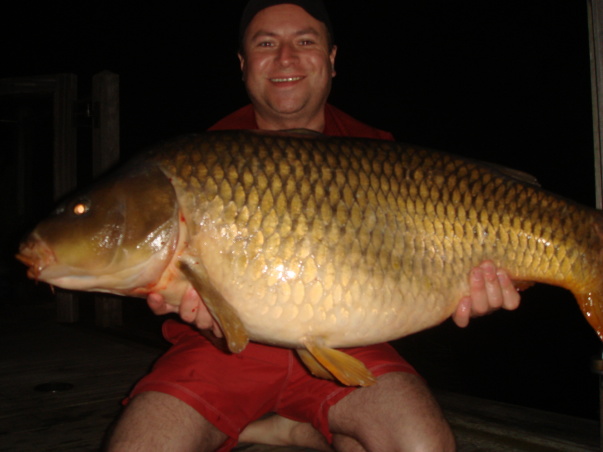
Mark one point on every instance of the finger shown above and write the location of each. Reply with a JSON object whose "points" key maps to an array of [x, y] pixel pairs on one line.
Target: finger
{"points": [[157, 304], [203, 319], [188, 307], [478, 292], [493, 289], [216, 330], [462, 314], [511, 297], [196, 312]]}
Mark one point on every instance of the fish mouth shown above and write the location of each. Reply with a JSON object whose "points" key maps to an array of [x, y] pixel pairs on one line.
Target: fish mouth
{"points": [[36, 255]]}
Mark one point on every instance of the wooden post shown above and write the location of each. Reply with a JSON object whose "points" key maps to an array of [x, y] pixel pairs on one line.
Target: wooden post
{"points": [[105, 131], [65, 168], [595, 28], [62, 89], [595, 31], [105, 153]]}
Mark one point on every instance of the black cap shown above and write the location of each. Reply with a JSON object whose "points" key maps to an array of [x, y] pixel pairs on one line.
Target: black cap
{"points": [[315, 8]]}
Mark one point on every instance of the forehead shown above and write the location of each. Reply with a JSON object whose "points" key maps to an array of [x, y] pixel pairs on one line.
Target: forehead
{"points": [[283, 19]]}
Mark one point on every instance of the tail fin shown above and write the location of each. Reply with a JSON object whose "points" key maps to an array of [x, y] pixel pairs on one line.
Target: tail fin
{"points": [[590, 292], [591, 300], [592, 307]]}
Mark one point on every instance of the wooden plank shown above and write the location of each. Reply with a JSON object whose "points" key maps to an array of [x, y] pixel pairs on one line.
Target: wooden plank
{"points": [[105, 131], [65, 138], [102, 367], [36, 350], [38, 84], [65, 168], [595, 32], [595, 29], [477, 421], [63, 90], [105, 154]]}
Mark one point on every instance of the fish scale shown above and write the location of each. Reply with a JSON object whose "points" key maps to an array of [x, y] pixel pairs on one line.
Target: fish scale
{"points": [[298, 240]]}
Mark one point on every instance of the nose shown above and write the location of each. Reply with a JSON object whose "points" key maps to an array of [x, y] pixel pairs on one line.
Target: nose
{"points": [[287, 54]]}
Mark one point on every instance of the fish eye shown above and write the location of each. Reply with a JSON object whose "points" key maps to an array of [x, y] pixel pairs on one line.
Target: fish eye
{"points": [[80, 207]]}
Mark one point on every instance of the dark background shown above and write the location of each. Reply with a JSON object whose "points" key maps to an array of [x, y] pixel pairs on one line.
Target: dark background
{"points": [[507, 82]]}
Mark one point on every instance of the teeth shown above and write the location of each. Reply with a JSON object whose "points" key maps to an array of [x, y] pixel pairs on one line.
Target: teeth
{"points": [[286, 79]]}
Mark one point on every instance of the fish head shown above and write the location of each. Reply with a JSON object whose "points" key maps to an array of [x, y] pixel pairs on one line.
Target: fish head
{"points": [[117, 237]]}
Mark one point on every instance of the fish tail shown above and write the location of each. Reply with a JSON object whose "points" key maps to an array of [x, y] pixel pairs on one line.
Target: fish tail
{"points": [[591, 300], [591, 305]]}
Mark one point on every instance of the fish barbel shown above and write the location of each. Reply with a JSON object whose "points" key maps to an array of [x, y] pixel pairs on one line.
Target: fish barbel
{"points": [[315, 243]]}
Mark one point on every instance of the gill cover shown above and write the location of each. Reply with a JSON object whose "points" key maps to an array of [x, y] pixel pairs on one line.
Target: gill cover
{"points": [[123, 231]]}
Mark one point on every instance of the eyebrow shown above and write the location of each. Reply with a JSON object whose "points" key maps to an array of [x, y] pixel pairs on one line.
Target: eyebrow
{"points": [[304, 31]]}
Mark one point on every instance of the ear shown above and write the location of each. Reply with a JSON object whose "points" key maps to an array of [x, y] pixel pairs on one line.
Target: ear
{"points": [[332, 56], [241, 62]]}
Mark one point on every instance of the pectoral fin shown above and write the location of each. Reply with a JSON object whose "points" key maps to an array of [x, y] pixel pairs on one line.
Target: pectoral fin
{"points": [[232, 327], [345, 368]]}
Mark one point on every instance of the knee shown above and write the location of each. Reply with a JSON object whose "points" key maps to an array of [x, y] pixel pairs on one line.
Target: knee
{"points": [[157, 421], [437, 437], [399, 413]]}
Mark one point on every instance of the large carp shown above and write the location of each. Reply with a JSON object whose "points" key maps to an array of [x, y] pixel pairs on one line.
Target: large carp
{"points": [[308, 242]]}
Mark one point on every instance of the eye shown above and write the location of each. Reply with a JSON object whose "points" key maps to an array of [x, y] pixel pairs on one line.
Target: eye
{"points": [[80, 207]]}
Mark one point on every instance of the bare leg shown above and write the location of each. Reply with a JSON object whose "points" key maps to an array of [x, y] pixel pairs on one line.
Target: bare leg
{"points": [[396, 414], [277, 430], [160, 422]]}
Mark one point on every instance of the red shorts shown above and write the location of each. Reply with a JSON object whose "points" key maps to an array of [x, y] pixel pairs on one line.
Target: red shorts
{"points": [[232, 390]]}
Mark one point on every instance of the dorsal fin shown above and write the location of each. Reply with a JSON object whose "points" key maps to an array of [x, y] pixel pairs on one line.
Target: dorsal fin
{"points": [[519, 176]]}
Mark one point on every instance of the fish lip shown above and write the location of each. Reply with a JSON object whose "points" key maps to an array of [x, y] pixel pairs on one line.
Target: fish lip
{"points": [[36, 255]]}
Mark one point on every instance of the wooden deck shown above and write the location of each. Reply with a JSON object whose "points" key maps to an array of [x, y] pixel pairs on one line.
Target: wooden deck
{"points": [[61, 386]]}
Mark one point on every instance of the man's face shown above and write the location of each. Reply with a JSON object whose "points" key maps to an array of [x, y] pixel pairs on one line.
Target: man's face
{"points": [[287, 63]]}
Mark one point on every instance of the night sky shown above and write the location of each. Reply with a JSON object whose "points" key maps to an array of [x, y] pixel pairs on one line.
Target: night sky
{"points": [[507, 82]]}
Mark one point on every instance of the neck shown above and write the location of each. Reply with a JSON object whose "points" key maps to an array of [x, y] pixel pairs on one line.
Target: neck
{"points": [[315, 122]]}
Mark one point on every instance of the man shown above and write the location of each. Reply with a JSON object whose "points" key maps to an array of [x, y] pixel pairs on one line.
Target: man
{"points": [[198, 398]]}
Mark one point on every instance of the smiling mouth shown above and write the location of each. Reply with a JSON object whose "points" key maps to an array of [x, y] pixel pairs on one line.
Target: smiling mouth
{"points": [[285, 79]]}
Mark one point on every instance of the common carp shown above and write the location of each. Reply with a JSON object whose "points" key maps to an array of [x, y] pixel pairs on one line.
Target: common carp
{"points": [[314, 243]]}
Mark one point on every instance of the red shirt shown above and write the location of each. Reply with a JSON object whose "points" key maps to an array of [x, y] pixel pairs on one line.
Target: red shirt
{"points": [[337, 123]]}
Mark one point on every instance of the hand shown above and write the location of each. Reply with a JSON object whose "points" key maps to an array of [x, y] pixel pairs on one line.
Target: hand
{"points": [[491, 289], [191, 310]]}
